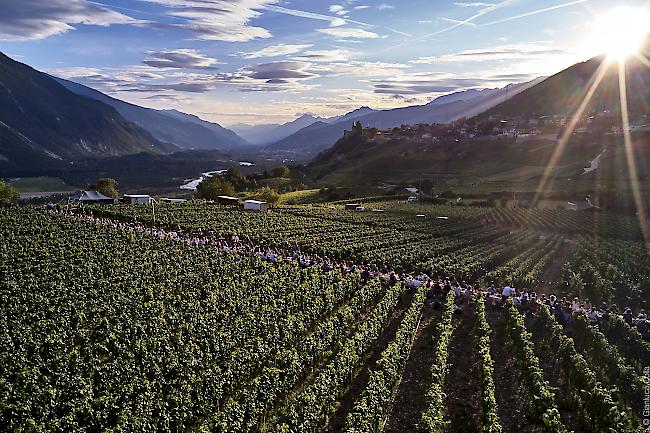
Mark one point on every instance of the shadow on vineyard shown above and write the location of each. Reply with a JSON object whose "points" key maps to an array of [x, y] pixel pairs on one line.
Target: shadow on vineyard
{"points": [[461, 387], [510, 392], [360, 381], [410, 400]]}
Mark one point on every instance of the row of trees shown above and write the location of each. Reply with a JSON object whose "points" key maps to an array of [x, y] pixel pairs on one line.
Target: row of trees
{"points": [[215, 186], [228, 184], [233, 181]]}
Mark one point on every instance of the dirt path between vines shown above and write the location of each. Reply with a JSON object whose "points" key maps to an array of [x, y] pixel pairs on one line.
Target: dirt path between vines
{"points": [[553, 273], [461, 386], [509, 390], [346, 403], [410, 400]]}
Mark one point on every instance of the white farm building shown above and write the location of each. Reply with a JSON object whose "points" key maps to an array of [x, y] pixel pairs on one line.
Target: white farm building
{"points": [[137, 198], [256, 205]]}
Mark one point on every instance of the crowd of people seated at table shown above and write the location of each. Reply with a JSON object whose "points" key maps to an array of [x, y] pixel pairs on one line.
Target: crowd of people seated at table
{"points": [[526, 301]]}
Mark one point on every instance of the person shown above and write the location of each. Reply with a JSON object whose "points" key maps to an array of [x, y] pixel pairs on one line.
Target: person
{"points": [[447, 286], [506, 292], [575, 305], [365, 275], [467, 295], [593, 316], [567, 310], [627, 316], [524, 301]]}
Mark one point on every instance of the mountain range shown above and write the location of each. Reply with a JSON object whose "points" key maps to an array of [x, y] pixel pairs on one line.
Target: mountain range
{"points": [[47, 122], [267, 134], [182, 131], [44, 125], [322, 134]]}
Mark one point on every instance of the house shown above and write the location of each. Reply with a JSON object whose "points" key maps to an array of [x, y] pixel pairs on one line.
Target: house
{"points": [[173, 200], [256, 205], [92, 197], [352, 206], [227, 200], [137, 198]]}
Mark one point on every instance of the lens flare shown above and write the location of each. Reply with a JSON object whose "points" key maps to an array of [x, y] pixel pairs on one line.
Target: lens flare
{"points": [[620, 32]]}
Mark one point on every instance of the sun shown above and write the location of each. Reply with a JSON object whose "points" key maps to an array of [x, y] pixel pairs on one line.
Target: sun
{"points": [[620, 33]]}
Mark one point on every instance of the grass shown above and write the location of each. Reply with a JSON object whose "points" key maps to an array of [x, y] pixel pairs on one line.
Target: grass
{"points": [[40, 184], [299, 197]]}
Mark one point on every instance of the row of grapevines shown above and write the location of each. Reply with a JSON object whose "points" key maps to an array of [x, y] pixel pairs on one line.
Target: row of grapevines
{"points": [[432, 420], [489, 416], [308, 411], [628, 341], [248, 344], [245, 411], [630, 384], [103, 329], [540, 398], [566, 221], [596, 402], [609, 270], [527, 268], [371, 410]]}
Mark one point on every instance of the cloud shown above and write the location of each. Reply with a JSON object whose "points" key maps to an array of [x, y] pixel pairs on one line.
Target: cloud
{"points": [[349, 33], [140, 79], [385, 6], [485, 9], [324, 56], [218, 20], [279, 71], [502, 52], [178, 87], [179, 59], [286, 76], [359, 69], [427, 83], [275, 51], [338, 9], [334, 21], [474, 5], [405, 99], [459, 22], [40, 19]]}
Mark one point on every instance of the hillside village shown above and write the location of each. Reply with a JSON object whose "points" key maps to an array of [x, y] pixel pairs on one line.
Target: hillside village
{"points": [[491, 127]]}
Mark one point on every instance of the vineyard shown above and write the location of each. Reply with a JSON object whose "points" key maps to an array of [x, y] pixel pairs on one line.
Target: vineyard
{"points": [[104, 329]]}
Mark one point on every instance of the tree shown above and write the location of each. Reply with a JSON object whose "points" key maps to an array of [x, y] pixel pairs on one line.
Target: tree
{"points": [[282, 171], [106, 186], [357, 128], [268, 195], [8, 194], [213, 187], [237, 179]]}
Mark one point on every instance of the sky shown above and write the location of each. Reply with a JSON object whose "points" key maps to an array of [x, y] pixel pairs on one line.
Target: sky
{"points": [[269, 61]]}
